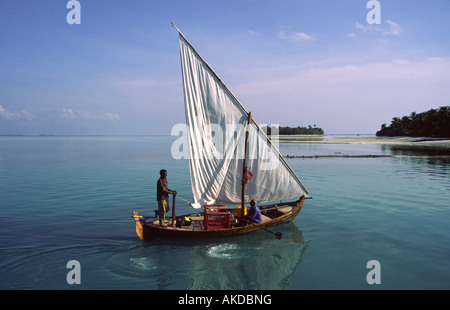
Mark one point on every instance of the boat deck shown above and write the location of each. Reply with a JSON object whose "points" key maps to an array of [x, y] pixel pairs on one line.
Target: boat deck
{"points": [[220, 221], [197, 219]]}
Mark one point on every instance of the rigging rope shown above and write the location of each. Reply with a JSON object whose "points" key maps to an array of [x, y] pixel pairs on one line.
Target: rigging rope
{"points": [[193, 205]]}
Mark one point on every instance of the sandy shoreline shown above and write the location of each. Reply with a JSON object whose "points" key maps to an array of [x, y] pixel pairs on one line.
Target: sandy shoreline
{"points": [[405, 141]]}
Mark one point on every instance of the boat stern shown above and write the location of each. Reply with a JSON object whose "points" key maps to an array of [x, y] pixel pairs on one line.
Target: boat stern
{"points": [[140, 222]]}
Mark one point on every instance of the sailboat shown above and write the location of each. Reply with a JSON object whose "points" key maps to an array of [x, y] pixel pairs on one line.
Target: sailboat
{"points": [[231, 162]]}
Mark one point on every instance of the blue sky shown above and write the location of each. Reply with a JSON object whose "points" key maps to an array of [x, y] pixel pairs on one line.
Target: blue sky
{"points": [[291, 63]]}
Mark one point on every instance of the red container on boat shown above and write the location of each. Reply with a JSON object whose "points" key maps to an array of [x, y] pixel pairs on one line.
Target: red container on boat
{"points": [[217, 217]]}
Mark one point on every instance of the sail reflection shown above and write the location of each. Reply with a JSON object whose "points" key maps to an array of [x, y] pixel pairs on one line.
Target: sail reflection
{"points": [[254, 261]]}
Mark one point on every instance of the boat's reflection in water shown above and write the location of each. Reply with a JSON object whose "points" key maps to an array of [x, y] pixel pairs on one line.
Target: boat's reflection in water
{"points": [[253, 261]]}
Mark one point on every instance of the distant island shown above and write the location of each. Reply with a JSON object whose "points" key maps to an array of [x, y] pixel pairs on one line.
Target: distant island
{"points": [[310, 130], [433, 123]]}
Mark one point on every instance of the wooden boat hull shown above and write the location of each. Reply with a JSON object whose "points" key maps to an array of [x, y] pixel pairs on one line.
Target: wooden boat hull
{"points": [[150, 230]]}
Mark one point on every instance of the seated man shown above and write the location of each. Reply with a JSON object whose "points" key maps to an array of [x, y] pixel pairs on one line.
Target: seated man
{"points": [[254, 215]]}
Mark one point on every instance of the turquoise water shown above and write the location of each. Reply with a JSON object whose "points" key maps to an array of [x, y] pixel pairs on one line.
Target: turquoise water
{"points": [[71, 198]]}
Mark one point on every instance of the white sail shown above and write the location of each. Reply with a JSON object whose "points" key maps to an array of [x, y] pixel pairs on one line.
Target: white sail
{"points": [[217, 123]]}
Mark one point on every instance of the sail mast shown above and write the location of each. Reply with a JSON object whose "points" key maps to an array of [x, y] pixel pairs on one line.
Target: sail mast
{"points": [[244, 184]]}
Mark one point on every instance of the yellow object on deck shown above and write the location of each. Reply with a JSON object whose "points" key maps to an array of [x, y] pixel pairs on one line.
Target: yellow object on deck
{"points": [[241, 212]]}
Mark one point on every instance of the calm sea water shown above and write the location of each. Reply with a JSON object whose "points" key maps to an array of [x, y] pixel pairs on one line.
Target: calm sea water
{"points": [[71, 198]]}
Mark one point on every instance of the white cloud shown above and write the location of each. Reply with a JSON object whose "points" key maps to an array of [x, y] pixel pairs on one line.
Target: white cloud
{"points": [[253, 33], [394, 28], [367, 28], [69, 114], [295, 37], [21, 115]]}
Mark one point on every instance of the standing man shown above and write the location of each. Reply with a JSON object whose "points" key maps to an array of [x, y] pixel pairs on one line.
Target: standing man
{"points": [[162, 195]]}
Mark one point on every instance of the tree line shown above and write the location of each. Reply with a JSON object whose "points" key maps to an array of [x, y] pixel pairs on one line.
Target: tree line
{"points": [[434, 123], [310, 130]]}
